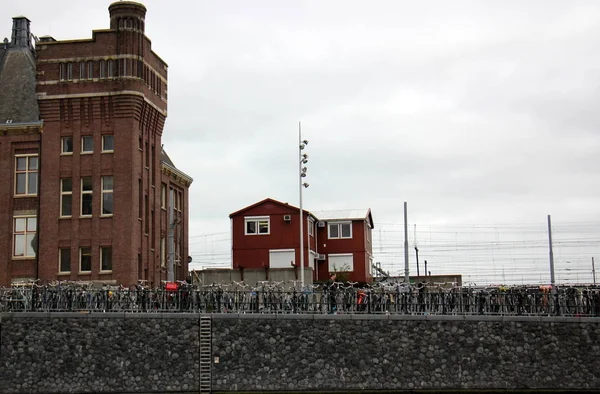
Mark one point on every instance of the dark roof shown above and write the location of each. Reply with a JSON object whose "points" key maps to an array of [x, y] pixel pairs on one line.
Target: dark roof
{"points": [[18, 102], [165, 158], [270, 200]]}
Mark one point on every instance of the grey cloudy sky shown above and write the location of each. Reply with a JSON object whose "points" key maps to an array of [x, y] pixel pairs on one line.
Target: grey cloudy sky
{"points": [[474, 112]]}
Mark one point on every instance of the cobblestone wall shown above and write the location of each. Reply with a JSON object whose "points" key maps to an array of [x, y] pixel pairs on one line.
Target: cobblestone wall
{"points": [[78, 354], [338, 353], [61, 353]]}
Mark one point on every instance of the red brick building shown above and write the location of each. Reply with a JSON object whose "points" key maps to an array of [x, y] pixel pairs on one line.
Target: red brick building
{"points": [[267, 235], [88, 184]]}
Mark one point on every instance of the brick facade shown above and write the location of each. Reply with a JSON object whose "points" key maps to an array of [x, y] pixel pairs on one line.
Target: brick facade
{"points": [[110, 89]]}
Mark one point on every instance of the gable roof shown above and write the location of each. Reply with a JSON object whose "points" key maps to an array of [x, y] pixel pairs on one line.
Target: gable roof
{"points": [[266, 200], [345, 214]]}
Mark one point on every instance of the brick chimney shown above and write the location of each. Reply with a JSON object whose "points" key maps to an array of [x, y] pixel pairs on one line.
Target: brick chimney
{"points": [[21, 36], [127, 15]]}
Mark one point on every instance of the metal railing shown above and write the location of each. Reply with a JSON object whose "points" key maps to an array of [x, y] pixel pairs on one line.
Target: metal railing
{"points": [[407, 300]]}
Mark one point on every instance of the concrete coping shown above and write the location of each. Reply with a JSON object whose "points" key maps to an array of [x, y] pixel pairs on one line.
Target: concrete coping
{"points": [[308, 316]]}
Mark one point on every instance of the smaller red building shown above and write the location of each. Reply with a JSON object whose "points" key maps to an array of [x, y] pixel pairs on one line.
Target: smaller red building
{"points": [[267, 235]]}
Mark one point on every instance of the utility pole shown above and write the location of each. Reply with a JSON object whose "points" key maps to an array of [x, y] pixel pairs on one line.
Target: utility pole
{"points": [[594, 271], [406, 275], [171, 236], [552, 282], [417, 252]]}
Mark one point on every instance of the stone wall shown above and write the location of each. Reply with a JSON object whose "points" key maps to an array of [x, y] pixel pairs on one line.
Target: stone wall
{"points": [[78, 353], [399, 352], [49, 353]]}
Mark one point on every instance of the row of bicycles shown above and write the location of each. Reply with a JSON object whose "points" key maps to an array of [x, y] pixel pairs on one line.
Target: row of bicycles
{"points": [[280, 297]]}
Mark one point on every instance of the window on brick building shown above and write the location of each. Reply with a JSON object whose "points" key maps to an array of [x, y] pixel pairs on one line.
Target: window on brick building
{"points": [[86, 196], [26, 175], [82, 71], [64, 260], [85, 260], [90, 70], [107, 195], [66, 197], [163, 252], [24, 230], [102, 69], [69, 71], [106, 259], [108, 143], [66, 146], [111, 68], [87, 144], [62, 75], [163, 196]]}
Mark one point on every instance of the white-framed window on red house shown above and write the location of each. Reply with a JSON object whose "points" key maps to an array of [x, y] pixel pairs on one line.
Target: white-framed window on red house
{"points": [[338, 230], [257, 225]]}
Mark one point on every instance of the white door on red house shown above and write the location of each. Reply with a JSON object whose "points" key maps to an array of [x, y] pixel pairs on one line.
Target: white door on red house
{"points": [[285, 258]]}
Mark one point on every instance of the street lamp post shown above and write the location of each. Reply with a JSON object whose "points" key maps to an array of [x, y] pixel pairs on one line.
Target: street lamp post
{"points": [[302, 159]]}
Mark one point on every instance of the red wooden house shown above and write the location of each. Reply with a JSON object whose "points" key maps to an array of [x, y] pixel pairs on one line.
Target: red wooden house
{"points": [[267, 235]]}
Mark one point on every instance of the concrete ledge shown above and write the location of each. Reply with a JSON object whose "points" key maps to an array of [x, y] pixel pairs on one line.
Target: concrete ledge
{"points": [[257, 316], [408, 317], [295, 317], [221, 316], [172, 315], [531, 319], [445, 317], [332, 317], [381, 316]]}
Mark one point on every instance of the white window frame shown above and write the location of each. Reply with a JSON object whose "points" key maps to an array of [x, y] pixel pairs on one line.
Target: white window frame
{"points": [[87, 152], [61, 71], [105, 191], [63, 152], [27, 234], [330, 255], [82, 71], [81, 197], [28, 172], [104, 150], [69, 71], [163, 196], [285, 264], [311, 227], [102, 270], [64, 193], [370, 262], [60, 253], [80, 259], [90, 69], [102, 69], [339, 226], [368, 226], [163, 251], [257, 220]]}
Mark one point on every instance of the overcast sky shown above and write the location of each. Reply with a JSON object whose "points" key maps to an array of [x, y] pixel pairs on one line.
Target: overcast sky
{"points": [[474, 112]]}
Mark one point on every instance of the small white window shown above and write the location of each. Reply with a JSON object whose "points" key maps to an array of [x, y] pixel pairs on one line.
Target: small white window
{"points": [[341, 262], [85, 260], [87, 144], [108, 144], [257, 225], [64, 260], [66, 146], [105, 259], [107, 195], [311, 227], [66, 197], [24, 231], [340, 230]]}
